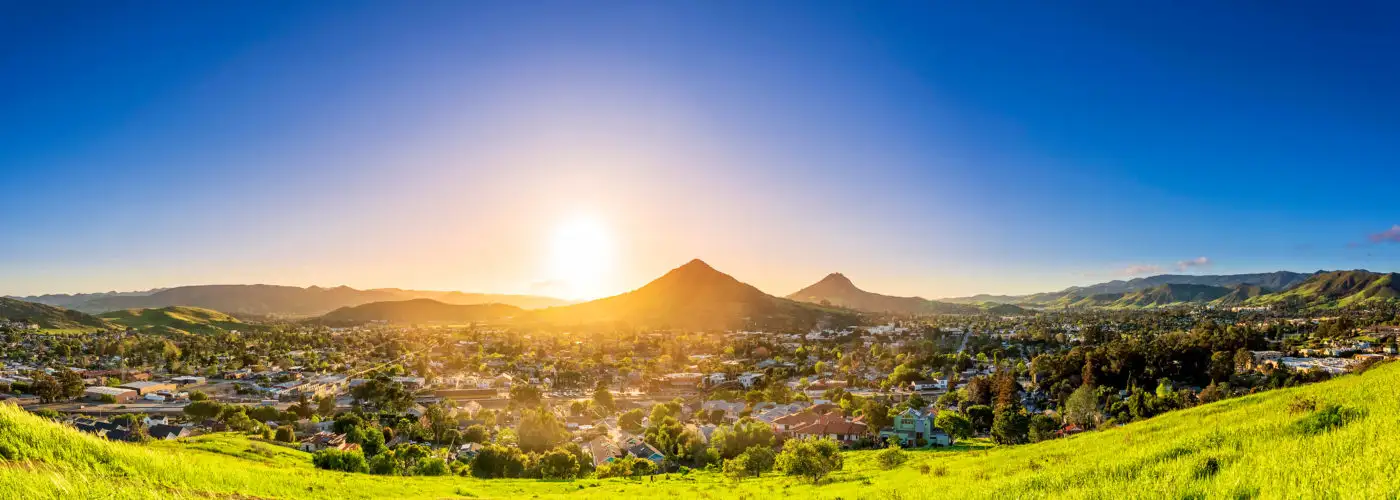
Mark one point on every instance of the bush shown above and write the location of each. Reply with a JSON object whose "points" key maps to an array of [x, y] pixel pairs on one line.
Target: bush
{"points": [[558, 464], [432, 466], [1327, 418], [810, 458], [628, 466], [498, 461], [1042, 428], [891, 457], [286, 435], [345, 461]]}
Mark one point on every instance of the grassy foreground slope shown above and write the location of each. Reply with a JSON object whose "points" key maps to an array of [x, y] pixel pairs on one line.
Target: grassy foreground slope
{"points": [[1240, 448], [175, 319]]}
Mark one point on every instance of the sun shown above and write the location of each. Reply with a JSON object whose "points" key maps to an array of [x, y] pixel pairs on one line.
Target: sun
{"points": [[581, 257]]}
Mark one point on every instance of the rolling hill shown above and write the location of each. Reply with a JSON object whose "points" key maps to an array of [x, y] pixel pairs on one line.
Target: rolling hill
{"points": [[696, 296], [1255, 446], [290, 301], [420, 311], [1278, 280], [49, 317], [838, 290], [174, 319], [1336, 289]]}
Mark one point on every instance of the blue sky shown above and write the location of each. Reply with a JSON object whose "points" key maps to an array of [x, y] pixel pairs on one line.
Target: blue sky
{"points": [[919, 148]]}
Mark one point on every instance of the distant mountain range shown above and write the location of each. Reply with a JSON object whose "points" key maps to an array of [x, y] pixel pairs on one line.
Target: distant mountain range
{"points": [[421, 311], [838, 290], [1103, 294], [696, 296], [274, 300]]}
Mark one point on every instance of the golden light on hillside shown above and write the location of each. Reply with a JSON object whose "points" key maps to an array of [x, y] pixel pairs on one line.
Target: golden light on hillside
{"points": [[582, 255]]}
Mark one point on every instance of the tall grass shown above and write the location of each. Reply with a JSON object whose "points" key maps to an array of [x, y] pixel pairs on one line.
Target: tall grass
{"points": [[1250, 447]]}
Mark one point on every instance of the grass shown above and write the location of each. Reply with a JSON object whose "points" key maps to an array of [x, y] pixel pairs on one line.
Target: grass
{"points": [[174, 319], [1260, 446]]}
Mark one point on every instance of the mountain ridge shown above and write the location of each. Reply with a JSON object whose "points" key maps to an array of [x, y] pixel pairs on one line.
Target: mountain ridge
{"points": [[837, 290]]}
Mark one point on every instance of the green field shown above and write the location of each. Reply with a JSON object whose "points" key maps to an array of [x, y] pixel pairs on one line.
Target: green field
{"points": [[1240, 448]]}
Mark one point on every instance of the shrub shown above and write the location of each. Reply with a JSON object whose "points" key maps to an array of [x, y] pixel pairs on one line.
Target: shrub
{"points": [[1302, 404], [286, 435], [891, 457], [432, 466], [1327, 418], [345, 461], [559, 464]]}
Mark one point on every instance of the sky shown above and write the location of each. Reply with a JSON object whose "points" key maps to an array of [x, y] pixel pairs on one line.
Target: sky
{"points": [[579, 149]]}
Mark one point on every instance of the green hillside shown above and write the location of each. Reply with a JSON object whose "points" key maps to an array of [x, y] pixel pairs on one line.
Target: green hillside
{"points": [[1240, 294], [49, 317], [175, 319], [1249, 447], [1337, 289], [421, 311], [1171, 294]]}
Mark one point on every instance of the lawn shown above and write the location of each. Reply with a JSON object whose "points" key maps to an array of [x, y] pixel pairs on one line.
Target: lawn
{"points": [[1245, 447]]}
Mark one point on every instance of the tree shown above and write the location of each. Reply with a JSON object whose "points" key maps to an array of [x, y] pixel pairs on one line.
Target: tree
{"points": [[198, 396], [46, 387], [955, 424], [495, 461], [603, 398], [981, 417], [203, 409], [631, 421], [1042, 428], [432, 466], [753, 462], [325, 406], [892, 456], [540, 431], [877, 416], [559, 464], [810, 458], [477, 433], [1010, 426], [373, 441], [1222, 365], [525, 396], [1082, 408], [1243, 359], [978, 391], [72, 384], [285, 434]]}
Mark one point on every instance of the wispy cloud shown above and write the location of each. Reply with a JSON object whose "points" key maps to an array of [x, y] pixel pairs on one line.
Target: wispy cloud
{"points": [[1141, 269], [1391, 235], [1186, 265]]}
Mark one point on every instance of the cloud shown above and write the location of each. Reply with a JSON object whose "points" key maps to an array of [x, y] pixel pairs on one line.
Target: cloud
{"points": [[1196, 262], [1141, 269], [1391, 235]]}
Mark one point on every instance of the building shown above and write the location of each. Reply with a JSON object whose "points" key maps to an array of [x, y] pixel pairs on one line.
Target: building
{"points": [[189, 380], [115, 394], [144, 388], [915, 428], [831, 426]]}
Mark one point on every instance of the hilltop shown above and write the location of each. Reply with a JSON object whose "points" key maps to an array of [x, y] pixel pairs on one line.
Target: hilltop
{"points": [[1337, 289], [49, 317], [1245, 447], [174, 319], [1171, 294], [288, 301], [420, 311], [838, 290], [1278, 280], [697, 296]]}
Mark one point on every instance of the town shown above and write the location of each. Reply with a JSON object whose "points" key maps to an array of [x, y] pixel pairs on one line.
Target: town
{"points": [[497, 400]]}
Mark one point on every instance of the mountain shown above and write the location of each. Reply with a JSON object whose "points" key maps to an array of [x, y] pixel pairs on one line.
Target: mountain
{"points": [[49, 317], [1239, 294], [696, 296], [71, 300], [838, 290], [1171, 294], [1319, 440], [1337, 288], [290, 301], [421, 311], [174, 319], [1278, 280]]}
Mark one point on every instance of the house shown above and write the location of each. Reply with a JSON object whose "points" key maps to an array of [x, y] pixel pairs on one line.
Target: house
{"points": [[144, 388], [410, 383], [915, 428], [322, 440], [647, 451], [117, 394], [167, 432], [602, 451], [928, 385], [832, 426]]}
